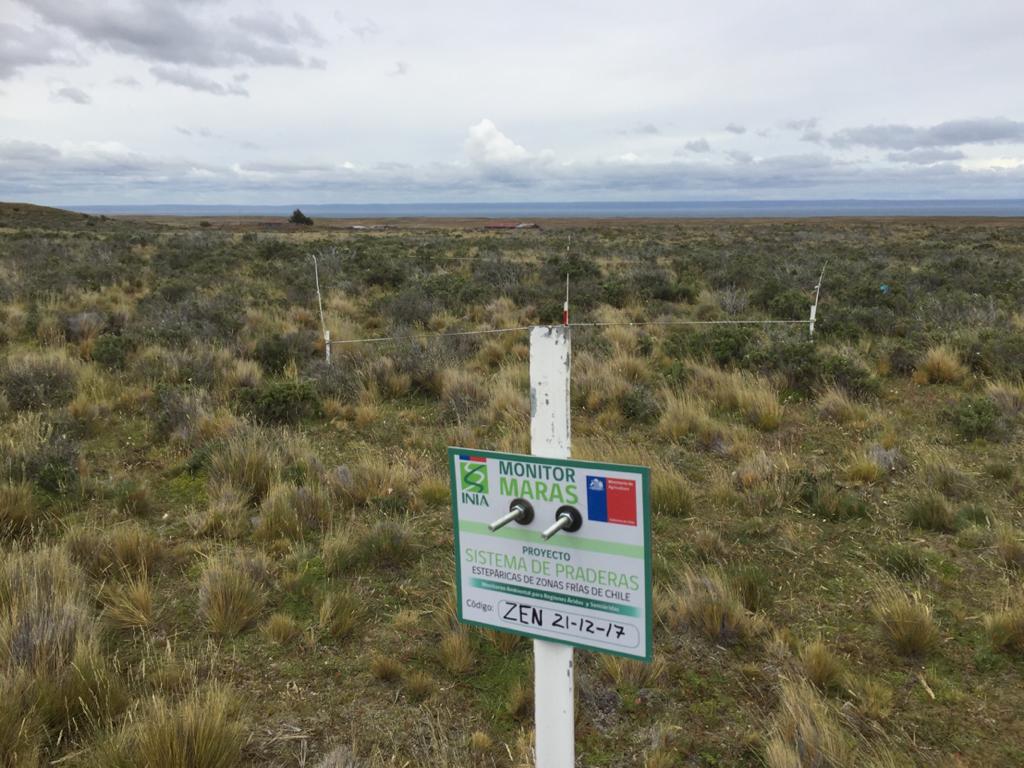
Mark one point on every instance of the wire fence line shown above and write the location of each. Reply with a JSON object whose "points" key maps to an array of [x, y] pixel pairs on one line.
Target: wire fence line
{"points": [[521, 328]]}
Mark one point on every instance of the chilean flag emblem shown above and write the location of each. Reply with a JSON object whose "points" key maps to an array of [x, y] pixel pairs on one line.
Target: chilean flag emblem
{"points": [[611, 500]]}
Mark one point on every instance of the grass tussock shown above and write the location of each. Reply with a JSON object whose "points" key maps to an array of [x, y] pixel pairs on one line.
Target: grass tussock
{"points": [[291, 512], [906, 622], [227, 514], [281, 628], [940, 365], [201, 730], [632, 674], [380, 481], [458, 655], [387, 544], [932, 512], [708, 604], [838, 407], [1009, 546], [230, 599], [1005, 627], [807, 732], [864, 467], [821, 666], [128, 604], [339, 615], [740, 392], [248, 463], [125, 549], [18, 511], [387, 669]]}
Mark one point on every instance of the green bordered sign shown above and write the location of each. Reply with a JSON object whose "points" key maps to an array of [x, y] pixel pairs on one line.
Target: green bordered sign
{"points": [[589, 587]]}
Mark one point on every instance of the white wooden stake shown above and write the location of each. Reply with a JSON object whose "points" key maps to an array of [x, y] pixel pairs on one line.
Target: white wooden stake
{"points": [[814, 306], [554, 705], [327, 346]]}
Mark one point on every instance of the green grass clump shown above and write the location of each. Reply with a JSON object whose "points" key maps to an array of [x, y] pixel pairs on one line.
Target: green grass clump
{"points": [[932, 512], [903, 561], [290, 512], [38, 380], [388, 544]]}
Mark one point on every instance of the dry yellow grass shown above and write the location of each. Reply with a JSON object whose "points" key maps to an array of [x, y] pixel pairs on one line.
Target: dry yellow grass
{"points": [[129, 604], [906, 621], [230, 600], [1009, 546], [836, 406], [940, 365], [457, 653], [863, 467], [821, 666], [709, 605], [807, 732], [741, 392], [1005, 627]]}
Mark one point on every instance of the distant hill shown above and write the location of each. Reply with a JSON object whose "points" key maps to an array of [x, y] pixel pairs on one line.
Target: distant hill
{"points": [[26, 215]]}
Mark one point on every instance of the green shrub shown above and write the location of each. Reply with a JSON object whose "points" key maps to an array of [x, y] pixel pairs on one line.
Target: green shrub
{"points": [[112, 351], [274, 353], [280, 402], [976, 417]]}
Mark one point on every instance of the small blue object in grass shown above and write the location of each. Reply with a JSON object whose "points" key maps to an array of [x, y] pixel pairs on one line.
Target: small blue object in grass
{"points": [[884, 288]]}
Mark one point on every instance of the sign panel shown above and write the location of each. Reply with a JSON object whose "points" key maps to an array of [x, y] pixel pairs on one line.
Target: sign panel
{"points": [[589, 584]]}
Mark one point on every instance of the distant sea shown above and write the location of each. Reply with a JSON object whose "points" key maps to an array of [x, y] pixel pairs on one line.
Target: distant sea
{"points": [[678, 210]]}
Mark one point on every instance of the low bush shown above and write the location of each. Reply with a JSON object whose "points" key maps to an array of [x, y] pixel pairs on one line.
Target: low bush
{"points": [[976, 418], [111, 351], [280, 401], [34, 382]]}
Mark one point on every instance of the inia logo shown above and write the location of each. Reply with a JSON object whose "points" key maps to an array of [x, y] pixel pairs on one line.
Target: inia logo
{"points": [[473, 473]]}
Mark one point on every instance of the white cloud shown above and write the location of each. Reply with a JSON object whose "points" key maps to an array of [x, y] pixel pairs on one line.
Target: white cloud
{"points": [[486, 145]]}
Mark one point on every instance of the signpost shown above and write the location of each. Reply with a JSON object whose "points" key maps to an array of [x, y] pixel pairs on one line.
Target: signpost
{"points": [[552, 548]]}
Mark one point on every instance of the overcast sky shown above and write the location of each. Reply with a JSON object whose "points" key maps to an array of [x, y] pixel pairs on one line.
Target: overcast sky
{"points": [[224, 101]]}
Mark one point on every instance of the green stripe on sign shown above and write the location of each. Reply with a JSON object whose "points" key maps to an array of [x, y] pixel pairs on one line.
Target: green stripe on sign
{"points": [[565, 540], [555, 597]]}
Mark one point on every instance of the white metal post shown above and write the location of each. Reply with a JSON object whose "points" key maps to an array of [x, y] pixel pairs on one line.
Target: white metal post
{"points": [[554, 705]]}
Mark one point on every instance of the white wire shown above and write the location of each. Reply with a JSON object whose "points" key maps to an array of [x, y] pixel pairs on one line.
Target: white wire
{"points": [[521, 328]]}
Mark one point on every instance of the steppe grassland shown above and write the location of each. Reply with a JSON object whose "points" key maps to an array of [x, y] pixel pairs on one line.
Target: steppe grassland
{"points": [[217, 550]]}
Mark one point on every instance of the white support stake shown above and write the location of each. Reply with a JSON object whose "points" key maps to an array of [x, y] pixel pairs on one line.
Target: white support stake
{"points": [[814, 306], [554, 691], [327, 346]]}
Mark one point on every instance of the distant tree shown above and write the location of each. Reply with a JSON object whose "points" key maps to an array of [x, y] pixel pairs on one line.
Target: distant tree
{"points": [[298, 217]]}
